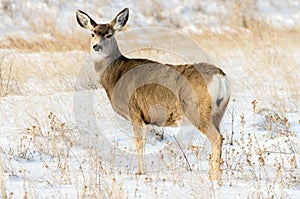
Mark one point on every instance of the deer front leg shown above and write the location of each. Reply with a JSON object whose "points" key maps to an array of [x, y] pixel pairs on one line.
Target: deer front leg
{"points": [[140, 139]]}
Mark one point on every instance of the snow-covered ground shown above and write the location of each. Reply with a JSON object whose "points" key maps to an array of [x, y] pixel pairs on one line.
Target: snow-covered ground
{"points": [[23, 18], [60, 138]]}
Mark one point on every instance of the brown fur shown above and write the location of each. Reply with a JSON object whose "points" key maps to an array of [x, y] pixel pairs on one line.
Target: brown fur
{"points": [[147, 92], [197, 76], [103, 30]]}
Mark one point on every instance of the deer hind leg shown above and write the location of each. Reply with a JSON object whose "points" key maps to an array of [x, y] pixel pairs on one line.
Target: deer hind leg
{"points": [[140, 140], [216, 140]]}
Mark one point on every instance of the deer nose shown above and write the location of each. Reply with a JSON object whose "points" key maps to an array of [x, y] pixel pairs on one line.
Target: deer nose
{"points": [[97, 47]]}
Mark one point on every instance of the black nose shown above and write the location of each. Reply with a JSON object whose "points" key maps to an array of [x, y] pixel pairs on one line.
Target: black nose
{"points": [[97, 47]]}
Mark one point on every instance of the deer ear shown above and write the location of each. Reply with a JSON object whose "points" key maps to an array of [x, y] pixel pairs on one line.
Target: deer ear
{"points": [[120, 20], [84, 20]]}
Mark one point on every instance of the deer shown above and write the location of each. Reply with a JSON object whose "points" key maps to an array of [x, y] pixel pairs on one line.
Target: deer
{"points": [[146, 92]]}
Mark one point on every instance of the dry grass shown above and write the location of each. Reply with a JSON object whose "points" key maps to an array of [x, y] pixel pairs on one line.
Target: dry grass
{"points": [[58, 43], [252, 161], [35, 73], [261, 35], [267, 162], [8, 84], [261, 61], [264, 49], [245, 29], [257, 37], [2, 181]]}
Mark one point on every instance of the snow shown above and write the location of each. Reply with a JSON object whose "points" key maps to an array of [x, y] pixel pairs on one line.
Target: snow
{"points": [[280, 13], [60, 138], [17, 16]]}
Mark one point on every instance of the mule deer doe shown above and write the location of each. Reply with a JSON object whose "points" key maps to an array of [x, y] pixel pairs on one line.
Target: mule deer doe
{"points": [[147, 92]]}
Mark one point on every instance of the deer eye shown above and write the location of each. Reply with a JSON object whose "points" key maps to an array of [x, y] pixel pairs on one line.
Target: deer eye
{"points": [[108, 35], [93, 35]]}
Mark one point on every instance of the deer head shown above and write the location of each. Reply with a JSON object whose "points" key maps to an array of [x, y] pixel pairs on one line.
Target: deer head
{"points": [[103, 43]]}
